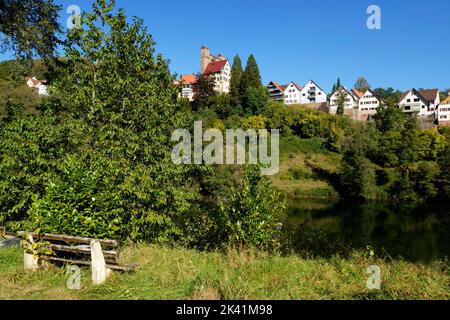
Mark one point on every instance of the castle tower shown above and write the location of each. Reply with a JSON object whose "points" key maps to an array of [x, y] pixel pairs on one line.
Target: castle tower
{"points": [[206, 58]]}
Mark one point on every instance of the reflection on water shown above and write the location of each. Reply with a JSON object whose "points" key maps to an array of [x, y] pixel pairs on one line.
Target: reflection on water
{"points": [[419, 233]]}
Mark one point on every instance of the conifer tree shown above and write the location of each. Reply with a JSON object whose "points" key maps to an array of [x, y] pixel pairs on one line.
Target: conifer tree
{"points": [[235, 82], [251, 77]]}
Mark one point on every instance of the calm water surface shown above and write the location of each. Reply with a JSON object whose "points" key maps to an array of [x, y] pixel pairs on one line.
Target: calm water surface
{"points": [[419, 233]]}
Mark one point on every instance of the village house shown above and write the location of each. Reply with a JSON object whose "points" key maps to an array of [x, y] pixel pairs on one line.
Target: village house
{"points": [[443, 112], [351, 100], [292, 93], [276, 91], [421, 102], [38, 85], [312, 93], [368, 104], [218, 68], [187, 82]]}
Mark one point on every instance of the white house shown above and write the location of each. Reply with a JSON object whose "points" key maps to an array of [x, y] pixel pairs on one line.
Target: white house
{"points": [[221, 73], [350, 101], [187, 82], [312, 93], [217, 67], [421, 102], [368, 104], [292, 94], [443, 112], [40, 86]]}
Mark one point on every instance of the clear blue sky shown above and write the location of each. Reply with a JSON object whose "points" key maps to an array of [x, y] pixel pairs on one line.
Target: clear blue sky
{"points": [[299, 40]]}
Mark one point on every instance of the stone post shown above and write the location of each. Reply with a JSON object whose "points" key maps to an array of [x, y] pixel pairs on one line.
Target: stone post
{"points": [[99, 270], [31, 262]]}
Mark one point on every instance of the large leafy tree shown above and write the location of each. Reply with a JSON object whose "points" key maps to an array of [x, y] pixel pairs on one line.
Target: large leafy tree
{"points": [[203, 91], [362, 84], [111, 174], [29, 27]]}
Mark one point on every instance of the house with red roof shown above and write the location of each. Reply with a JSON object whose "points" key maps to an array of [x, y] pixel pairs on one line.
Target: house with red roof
{"points": [[292, 93], [217, 67], [423, 103], [187, 82], [276, 91], [38, 85]]}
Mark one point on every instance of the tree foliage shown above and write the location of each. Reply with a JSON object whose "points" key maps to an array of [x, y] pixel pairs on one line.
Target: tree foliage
{"points": [[103, 165], [235, 81], [29, 28]]}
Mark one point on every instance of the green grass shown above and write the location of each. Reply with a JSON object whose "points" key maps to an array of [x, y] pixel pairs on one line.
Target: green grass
{"points": [[298, 160], [171, 273]]}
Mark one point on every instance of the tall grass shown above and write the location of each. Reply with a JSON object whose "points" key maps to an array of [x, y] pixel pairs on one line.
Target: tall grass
{"points": [[175, 273]]}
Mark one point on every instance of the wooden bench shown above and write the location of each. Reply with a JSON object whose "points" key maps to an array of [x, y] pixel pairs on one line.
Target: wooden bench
{"points": [[100, 254]]}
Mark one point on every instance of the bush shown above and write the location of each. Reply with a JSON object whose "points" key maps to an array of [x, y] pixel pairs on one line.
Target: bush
{"points": [[248, 217]]}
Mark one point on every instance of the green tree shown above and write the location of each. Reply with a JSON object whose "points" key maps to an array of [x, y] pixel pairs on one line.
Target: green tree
{"points": [[235, 82], [362, 84], [29, 28], [341, 104], [256, 100], [106, 168], [336, 86], [251, 77], [444, 177], [203, 91], [389, 118]]}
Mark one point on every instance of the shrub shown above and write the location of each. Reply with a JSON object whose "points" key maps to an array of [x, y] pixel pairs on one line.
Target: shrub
{"points": [[248, 217]]}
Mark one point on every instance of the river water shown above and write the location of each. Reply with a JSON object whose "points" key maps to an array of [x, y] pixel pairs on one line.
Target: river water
{"points": [[418, 233]]}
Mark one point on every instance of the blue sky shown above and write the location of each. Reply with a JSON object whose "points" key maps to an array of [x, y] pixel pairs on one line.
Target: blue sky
{"points": [[299, 40]]}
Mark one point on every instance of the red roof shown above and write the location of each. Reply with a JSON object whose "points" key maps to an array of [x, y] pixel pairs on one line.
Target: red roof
{"points": [[215, 66], [358, 93], [189, 79], [430, 95], [299, 87]]}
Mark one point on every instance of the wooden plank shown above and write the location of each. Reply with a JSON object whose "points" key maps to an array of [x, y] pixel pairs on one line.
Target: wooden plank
{"points": [[69, 239], [80, 250], [88, 263]]}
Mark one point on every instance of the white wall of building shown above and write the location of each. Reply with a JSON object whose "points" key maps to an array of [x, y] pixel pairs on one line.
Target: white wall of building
{"points": [[291, 94], [412, 103], [222, 79], [443, 114], [350, 101], [311, 93]]}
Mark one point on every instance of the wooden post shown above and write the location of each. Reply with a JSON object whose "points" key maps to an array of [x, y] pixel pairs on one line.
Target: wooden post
{"points": [[30, 262], [99, 270], [2, 232]]}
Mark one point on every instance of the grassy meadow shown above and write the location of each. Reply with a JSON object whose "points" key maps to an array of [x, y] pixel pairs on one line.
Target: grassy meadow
{"points": [[173, 273]]}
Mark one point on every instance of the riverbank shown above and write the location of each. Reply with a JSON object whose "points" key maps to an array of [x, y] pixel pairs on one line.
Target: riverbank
{"points": [[172, 273]]}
